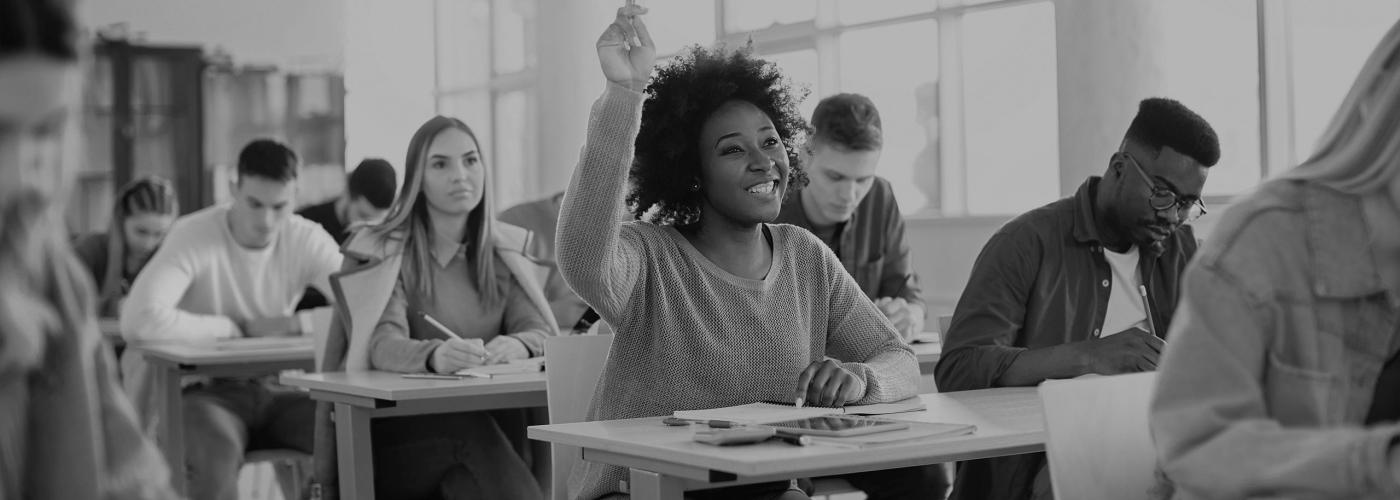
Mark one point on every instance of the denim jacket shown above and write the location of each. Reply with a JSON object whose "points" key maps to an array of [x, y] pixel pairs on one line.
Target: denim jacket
{"points": [[1283, 328]]}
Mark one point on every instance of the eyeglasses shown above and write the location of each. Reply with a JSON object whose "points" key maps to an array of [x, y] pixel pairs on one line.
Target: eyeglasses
{"points": [[1164, 199]]}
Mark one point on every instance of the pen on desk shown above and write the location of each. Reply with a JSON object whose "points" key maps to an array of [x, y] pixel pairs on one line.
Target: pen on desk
{"points": [[431, 376], [793, 439]]}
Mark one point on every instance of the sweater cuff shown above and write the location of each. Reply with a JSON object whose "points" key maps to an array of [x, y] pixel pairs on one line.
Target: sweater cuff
{"points": [[863, 372]]}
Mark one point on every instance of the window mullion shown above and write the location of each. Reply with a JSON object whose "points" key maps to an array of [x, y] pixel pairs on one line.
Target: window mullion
{"points": [[951, 126], [1275, 89]]}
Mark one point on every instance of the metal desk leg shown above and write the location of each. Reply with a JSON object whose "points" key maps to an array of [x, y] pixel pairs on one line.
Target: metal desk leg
{"points": [[172, 425], [356, 456], [646, 485]]}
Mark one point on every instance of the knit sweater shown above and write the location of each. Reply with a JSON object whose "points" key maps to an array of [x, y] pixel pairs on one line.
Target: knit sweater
{"points": [[690, 335]]}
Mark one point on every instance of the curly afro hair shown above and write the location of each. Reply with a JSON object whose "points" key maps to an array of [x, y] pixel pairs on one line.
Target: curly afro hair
{"points": [[682, 95]]}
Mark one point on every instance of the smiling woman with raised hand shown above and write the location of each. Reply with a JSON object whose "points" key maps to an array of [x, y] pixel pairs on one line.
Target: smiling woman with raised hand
{"points": [[712, 305]]}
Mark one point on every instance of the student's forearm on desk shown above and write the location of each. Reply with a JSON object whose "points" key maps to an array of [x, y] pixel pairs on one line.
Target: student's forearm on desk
{"points": [[1034, 366], [154, 323]]}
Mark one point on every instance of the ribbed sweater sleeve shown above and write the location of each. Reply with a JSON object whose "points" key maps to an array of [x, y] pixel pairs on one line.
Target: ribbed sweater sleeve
{"points": [[597, 259]]}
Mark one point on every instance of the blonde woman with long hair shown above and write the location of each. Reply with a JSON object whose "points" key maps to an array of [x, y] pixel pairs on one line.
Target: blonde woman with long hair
{"points": [[1282, 378], [440, 261], [66, 430]]}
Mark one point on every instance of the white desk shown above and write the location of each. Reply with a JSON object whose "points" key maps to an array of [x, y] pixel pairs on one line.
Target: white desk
{"points": [[665, 462], [361, 396], [222, 359]]}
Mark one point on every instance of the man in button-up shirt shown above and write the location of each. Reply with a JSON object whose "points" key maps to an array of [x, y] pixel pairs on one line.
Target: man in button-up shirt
{"points": [[855, 214], [1040, 292], [854, 211]]}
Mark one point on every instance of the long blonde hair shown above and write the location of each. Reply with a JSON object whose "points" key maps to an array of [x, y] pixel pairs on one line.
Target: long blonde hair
{"points": [[408, 217], [1360, 150]]}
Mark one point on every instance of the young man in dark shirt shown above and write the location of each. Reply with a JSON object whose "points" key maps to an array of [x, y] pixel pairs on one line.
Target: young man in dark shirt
{"points": [[369, 190], [1086, 284], [851, 209], [855, 213]]}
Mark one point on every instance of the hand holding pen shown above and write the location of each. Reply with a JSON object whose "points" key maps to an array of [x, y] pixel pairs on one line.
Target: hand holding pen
{"points": [[455, 353]]}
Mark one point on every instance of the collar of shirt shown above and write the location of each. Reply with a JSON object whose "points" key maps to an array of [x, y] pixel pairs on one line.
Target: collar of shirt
{"points": [[444, 253], [1085, 230]]}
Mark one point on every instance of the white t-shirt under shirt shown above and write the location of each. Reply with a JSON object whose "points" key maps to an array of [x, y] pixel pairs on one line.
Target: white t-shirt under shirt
{"points": [[1125, 307], [200, 280]]}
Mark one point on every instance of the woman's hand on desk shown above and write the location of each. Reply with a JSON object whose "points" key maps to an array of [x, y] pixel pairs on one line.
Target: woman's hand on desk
{"points": [[458, 353], [825, 383], [504, 349]]}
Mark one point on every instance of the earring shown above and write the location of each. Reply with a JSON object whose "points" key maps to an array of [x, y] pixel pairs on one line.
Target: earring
{"points": [[694, 187]]}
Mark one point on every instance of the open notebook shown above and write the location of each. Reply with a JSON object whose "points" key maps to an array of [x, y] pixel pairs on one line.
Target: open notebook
{"points": [[763, 413]]}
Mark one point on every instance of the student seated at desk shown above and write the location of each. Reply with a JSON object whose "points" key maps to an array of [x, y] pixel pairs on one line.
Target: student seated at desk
{"points": [[1086, 284], [66, 429], [223, 272], [369, 190], [854, 212], [141, 216], [712, 305], [1282, 378], [445, 258]]}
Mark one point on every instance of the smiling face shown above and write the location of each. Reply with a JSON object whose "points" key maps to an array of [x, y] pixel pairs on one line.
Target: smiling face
{"points": [[454, 176], [743, 165]]}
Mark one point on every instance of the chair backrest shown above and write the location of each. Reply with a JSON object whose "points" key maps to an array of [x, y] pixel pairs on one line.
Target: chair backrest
{"points": [[573, 364], [317, 323], [1098, 441]]}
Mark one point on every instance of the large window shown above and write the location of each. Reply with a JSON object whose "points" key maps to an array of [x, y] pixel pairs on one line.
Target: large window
{"points": [[966, 90], [486, 63], [1328, 42]]}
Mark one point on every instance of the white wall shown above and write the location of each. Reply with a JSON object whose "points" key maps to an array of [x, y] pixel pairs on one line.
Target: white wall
{"points": [[388, 76], [302, 34]]}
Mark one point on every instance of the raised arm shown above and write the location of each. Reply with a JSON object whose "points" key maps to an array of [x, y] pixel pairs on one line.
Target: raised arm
{"points": [[594, 256]]}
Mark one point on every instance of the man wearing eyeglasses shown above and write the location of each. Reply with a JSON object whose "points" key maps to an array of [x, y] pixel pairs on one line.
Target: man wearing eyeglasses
{"points": [[1084, 285]]}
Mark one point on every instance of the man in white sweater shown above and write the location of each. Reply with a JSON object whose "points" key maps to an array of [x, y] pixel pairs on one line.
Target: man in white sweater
{"points": [[221, 273]]}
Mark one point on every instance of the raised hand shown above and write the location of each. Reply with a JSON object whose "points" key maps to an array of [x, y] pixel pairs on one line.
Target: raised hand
{"points": [[625, 49]]}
